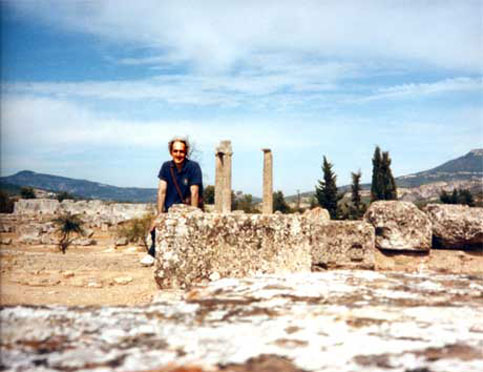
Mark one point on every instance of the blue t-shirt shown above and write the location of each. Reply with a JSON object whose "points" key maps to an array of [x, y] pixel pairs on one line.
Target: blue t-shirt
{"points": [[189, 175]]}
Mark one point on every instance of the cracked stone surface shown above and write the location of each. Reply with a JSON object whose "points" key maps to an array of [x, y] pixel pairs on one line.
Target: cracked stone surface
{"points": [[327, 321]]}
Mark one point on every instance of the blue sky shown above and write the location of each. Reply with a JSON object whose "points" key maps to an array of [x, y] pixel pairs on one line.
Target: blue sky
{"points": [[95, 89]]}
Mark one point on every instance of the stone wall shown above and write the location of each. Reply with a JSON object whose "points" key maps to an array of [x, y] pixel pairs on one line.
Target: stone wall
{"points": [[31, 222], [93, 212], [195, 247]]}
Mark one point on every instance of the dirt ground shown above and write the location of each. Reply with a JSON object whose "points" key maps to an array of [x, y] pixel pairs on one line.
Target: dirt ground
{"points": [[99, 275]]}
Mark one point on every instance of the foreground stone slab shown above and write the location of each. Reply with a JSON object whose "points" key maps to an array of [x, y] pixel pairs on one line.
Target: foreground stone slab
{"points": [[330, 321], [456, 226], [343, 244], [399, 226], [193, 247]]}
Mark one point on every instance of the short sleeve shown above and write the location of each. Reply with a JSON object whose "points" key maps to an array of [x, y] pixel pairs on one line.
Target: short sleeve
{"points": [[164, 172], [196, 177]]}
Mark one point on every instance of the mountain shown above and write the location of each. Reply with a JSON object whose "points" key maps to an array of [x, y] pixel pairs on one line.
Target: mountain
{"points": [[468, 167], [80, 188]]}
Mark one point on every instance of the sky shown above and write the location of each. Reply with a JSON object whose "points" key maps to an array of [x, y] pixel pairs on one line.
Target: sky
{"points": [[95, 89]]}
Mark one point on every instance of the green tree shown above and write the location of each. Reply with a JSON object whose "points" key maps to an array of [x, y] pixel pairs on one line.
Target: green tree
{"points": [[357, 208], [6, 203], [465, 197], [209, 194], [27, 193], [389, 184], [454, 197], [458, 196], [383, 185], [64, 195], [245, 203], [279, 203], [377, 185], [445, 198], [67, 225], [326, 190]]}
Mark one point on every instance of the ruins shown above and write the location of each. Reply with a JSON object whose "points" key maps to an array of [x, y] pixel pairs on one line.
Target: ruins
{"points": [[223, 154], [267, 207]]}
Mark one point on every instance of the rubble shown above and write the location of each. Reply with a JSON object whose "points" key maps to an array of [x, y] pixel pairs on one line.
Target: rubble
{"points": [[348, 244], [456, 226], [399, 226], [343, 320]]}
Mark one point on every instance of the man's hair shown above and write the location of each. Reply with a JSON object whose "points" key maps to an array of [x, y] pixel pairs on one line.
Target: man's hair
{"points": [[182, 140]]}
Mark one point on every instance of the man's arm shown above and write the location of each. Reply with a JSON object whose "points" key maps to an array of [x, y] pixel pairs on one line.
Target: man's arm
{"points": [[195, 195], [162, 186]]}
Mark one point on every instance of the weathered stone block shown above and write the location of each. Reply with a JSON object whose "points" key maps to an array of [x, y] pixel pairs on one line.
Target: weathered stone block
{"points": [[317, 215], [456, 226], [348, 244], [30, 234], [194, 246], [36, 206], [399, 226]]}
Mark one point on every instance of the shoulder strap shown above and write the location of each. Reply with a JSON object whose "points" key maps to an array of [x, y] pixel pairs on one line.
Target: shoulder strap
{"points": [[176, 183]]}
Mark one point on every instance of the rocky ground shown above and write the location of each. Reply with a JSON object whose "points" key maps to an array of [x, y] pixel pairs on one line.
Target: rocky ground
{"points": [[417, 312]]}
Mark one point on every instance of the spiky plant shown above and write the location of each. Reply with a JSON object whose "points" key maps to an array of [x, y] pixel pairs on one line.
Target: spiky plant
{"points": [[67, 225]]}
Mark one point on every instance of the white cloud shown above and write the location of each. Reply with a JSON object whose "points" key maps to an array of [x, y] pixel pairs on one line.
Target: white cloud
{"points": [[294, 83], [215, 35], [411, 90], [52, 125]]}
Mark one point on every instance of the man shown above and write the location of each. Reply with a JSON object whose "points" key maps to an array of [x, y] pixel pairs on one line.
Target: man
{"points": [[180, 182]]}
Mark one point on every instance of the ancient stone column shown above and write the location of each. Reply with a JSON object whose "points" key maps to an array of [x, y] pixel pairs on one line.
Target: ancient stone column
{"points": [[223, 155], [219, 177], [267, 207], [227, 177]]}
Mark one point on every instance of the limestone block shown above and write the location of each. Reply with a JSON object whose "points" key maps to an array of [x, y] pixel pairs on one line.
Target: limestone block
{"points": [[456, 226], [49, 239], [84, 241], [192, 246], [399, 226], [5, 241], [30, 233], [36, 206], [88, 233], [121, 241], [317, 214], [348, 244]]}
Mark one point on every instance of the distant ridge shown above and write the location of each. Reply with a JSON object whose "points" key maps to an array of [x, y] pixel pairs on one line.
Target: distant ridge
{"points": [[467, 167], [81, 188]]}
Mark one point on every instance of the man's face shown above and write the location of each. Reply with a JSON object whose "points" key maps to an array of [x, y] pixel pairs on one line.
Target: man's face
{"points": [[178, 152]]}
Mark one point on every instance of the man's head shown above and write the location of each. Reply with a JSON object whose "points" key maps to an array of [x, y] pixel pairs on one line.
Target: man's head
{"points": [[178, 148]]}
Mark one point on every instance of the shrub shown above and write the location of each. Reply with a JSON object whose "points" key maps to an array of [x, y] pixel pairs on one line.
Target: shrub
{"points": [[68, 224], [64, 195], [27, 193], [6, 203]]}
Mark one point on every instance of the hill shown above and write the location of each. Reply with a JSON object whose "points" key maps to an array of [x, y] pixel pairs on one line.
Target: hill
{"points": [[80, 188], [467, 167]]}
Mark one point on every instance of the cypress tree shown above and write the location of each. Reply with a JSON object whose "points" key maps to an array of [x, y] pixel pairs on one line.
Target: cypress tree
{"points": [[357, 206], [377, 187], [326, 190], [279, 203], [389, 185]]}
